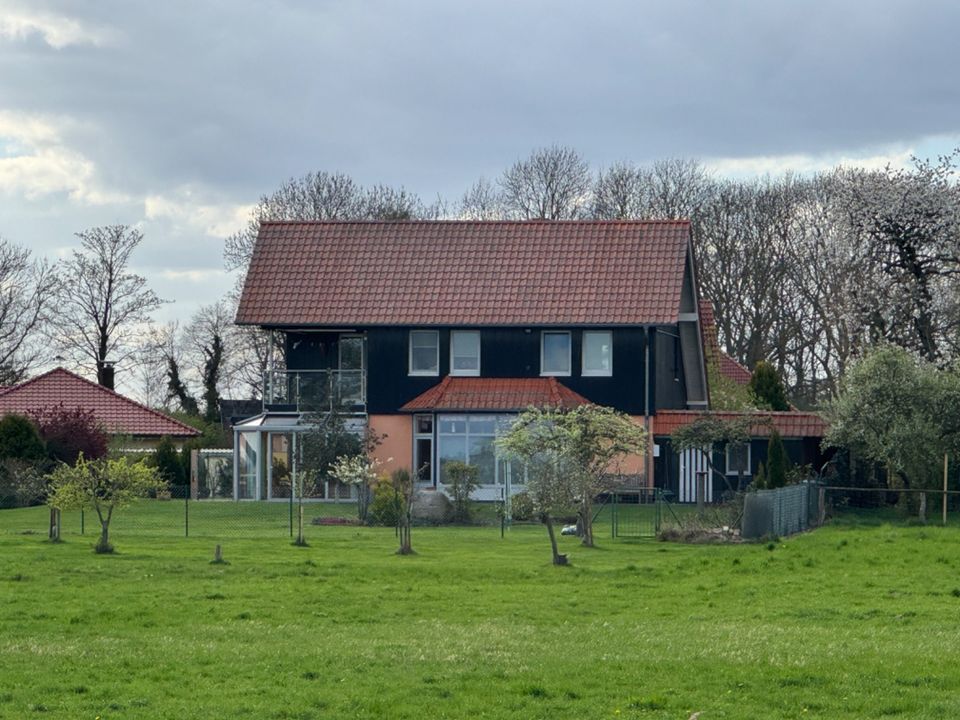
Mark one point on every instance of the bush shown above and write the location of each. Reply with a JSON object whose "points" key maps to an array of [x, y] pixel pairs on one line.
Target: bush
{"points": [[461, 482], [20, 439], [70, 432], [767, 388], [777, 461], [169, 463], [386, 506], [521, 506]]}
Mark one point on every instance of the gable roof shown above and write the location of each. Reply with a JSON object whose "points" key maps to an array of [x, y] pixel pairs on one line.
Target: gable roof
{"points": [[789, 423], [495, 394], [117, 414], [467, 273], [728, 367]]}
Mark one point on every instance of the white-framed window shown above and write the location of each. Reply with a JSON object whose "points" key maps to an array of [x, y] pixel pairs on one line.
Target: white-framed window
{"points": [[597, 353], [424, 352], [465, 352], [555, 352], [738, 458]]}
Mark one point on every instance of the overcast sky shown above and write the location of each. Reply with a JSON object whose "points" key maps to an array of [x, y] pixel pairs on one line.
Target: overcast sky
{"points": [[177, 116]]}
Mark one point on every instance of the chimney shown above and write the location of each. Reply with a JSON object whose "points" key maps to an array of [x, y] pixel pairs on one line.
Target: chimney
{"points": [[105, 374]]}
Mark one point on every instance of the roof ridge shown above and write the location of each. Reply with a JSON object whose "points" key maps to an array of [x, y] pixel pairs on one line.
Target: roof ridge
{"points": [[554, 391], [454, 221]]}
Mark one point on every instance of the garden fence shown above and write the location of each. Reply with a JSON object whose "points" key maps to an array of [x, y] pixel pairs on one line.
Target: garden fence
{"points": [[782, 511]]}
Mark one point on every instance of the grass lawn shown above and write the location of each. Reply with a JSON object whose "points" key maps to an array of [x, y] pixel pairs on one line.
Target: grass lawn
{"points": [[851, 621]]}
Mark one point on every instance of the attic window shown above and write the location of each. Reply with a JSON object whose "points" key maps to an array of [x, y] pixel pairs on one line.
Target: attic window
{"points": [[424, 352], [465, 352], [554, 353], [597, 353]]}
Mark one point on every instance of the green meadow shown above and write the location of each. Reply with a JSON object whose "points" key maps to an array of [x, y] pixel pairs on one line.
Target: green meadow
{"points": [[855, 620]]}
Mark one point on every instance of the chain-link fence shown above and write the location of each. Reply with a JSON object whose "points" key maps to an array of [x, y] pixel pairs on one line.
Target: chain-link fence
{"points": [[781, 511]]}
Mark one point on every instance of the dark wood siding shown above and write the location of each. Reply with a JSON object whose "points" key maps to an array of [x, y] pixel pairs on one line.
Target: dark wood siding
{"points": [[671, 389], [504, 352]]}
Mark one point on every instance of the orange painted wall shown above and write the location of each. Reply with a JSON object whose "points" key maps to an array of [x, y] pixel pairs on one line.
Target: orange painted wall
{"points": [[634, 464], [398, 443]]}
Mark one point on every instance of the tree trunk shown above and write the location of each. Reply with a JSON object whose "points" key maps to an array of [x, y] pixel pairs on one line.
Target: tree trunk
{"points": [[300, 539], [103, 544], [586, 525], [558, 559]]}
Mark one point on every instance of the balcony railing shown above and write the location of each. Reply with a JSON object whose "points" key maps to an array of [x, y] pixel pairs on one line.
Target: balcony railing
{"points": [[316, 390]]}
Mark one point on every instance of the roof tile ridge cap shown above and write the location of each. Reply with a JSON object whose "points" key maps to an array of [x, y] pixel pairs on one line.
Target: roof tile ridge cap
{"points": [[555, 396], [442, 388]]}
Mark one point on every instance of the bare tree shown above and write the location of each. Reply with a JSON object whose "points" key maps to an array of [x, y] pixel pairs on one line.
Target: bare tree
{"points": [[620, 193], [554, 183], [676, 188], [482, 201], [150, 365], [28, 289], [315, 196], [325, 196], [103, 306], [211, 339]]}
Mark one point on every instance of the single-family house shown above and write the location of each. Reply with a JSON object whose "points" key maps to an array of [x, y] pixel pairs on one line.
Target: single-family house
{"points": [[141, 426], [437, 333]]}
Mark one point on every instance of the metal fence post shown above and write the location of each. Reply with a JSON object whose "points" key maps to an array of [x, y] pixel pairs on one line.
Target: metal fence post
{"points": [[186, 514], [658, 498], [81, 521]]}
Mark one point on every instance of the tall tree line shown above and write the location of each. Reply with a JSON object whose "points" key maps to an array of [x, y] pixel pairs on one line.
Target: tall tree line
{"points": [[805, 272]]}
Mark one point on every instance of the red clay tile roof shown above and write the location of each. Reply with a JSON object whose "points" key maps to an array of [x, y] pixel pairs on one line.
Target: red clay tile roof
{"points": [[465, 273], [790, 424], [728, 367], [501, 394], [117, 414]]}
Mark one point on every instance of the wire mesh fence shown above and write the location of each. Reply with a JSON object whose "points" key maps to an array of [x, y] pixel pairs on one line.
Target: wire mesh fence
{"points": [[878, 505], [181, 516]]}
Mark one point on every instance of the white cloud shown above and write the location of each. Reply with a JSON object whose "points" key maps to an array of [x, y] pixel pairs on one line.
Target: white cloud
{"points": [[192, 276], [57, 31], [186, 209], [739, 167], [37, 161]]}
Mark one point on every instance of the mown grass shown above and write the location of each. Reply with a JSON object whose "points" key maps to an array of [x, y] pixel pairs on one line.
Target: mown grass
{"points": [[851, 621]]}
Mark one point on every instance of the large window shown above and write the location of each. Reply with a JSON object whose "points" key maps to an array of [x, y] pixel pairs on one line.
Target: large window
{"points": [[469, 439], [424, 352], [597, 353], [554, 353], [465, 352]]}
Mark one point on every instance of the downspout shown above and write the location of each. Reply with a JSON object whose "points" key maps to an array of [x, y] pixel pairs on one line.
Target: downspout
{"points": [[646, 410]]}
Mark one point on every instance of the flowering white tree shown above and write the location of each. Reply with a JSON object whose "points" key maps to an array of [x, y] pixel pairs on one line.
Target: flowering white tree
{"points": [[357, 471]]}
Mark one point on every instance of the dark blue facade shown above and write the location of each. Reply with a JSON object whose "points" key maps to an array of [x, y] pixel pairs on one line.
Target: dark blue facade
{"points": [[509, 353]]}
